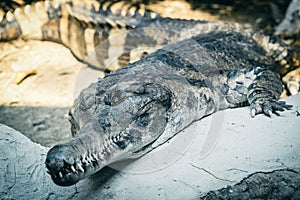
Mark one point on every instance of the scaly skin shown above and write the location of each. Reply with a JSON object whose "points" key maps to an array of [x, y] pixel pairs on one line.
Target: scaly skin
{"points": [[139, 107]]}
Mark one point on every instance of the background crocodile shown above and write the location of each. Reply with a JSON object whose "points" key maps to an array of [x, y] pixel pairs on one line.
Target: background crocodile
{"points": [[97, 35], [139, 107]]}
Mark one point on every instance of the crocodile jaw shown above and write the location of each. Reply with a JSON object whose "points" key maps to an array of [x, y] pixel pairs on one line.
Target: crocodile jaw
{"points": [[66, 173], [68, 163], [89, 152], [93, 147]]}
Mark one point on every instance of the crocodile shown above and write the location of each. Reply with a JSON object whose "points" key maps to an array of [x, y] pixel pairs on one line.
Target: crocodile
{"points": [[139, 107], [98, 35], [195, 69]]}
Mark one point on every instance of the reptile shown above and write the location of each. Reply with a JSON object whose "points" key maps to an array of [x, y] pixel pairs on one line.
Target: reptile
{"points": [[97, 35], [139, 107], [203, 68]]}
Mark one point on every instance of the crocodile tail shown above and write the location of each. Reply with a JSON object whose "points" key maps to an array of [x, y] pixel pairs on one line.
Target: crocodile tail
{"points": [[108, 16], [105, 29], [44, 20], [41, 20], [285, 58], [79, 27]]}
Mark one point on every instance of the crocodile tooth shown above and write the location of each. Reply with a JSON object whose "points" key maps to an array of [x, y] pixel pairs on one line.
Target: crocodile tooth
{"points": [[100, 156], [73, 168], [95, 157], [125, 134], [60, 174], [92, 158], [84, 159], [88, 159], [79, 167]]}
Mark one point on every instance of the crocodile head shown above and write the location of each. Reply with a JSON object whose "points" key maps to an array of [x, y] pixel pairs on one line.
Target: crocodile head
{"points": [[109, 124]]}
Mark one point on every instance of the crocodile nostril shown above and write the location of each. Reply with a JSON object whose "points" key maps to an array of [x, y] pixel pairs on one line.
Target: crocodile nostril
{"points": [[59, 157]]}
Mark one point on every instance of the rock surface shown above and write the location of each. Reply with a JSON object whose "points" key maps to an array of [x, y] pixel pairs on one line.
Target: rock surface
{"points": [[279, 184], [218, 151]]}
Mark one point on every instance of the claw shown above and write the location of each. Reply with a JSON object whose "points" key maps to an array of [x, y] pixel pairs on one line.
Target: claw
{"points": [[287, 106], [253, 112], [269, 107], [276, 113], [270, 113]]}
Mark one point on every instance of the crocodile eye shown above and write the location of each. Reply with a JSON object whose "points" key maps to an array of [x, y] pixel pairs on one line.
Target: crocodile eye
{"points": [[114, 97], [82, 106], [143, 120]]}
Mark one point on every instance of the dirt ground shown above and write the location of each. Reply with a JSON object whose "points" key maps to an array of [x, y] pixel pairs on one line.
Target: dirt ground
{"points": [[37, 104]]}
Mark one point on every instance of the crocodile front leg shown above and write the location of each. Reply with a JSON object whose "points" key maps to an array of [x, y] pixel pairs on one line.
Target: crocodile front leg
{"points": [[258, 87], [264, 92]]}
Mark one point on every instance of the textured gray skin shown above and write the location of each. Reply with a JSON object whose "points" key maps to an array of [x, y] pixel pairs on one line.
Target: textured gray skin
{"points": [[139, 107]]}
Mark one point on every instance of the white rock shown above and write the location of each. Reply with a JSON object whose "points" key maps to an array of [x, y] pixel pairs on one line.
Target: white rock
{"points": [[184, 168]]}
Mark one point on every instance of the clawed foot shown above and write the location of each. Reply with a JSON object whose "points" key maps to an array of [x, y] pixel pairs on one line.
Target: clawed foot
{"points": [[269, 107]]}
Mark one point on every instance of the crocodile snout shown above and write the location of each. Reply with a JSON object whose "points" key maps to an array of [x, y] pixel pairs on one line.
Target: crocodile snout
{"points": [[58, 157], [61, 165]]}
